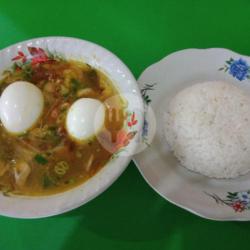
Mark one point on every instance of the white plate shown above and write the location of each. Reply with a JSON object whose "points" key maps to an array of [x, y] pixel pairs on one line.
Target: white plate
{"points": [[208, 198], [98, 57]]}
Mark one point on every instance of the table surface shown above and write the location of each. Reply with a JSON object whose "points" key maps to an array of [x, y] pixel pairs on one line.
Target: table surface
{"points": [[129, 215]]}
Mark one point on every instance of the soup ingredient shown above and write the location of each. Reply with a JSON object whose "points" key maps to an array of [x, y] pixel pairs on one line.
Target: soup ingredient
{"points": [[21, 173], [85, 118], [21, 106], [40, 159], [207, 126], [45, 159], [61, 168]]}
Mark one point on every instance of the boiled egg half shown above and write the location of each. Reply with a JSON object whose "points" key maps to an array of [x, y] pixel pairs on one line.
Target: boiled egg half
{"points": [[85, 118], [21, 105]]}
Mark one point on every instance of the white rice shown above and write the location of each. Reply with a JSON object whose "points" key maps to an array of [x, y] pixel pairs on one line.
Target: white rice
{"points": [[207, 126]]}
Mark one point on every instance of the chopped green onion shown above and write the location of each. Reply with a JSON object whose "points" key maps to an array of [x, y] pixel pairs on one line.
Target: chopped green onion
{"points": [[25, 134], [40, 159], [70, 181], [47, 181], [75, 85]]}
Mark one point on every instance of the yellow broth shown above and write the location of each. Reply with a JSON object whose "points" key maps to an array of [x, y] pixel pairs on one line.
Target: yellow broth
{"points": [[53, 161]]}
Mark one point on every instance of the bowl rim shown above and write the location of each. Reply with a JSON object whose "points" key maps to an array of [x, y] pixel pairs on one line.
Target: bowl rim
{"points": [[102, 185]]}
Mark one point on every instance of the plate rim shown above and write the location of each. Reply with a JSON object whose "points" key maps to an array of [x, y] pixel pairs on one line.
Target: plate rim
{"points": [[179, 204]]}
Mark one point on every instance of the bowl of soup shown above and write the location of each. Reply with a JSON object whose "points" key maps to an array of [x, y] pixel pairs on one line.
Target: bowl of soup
{"points": [[70, 118]]}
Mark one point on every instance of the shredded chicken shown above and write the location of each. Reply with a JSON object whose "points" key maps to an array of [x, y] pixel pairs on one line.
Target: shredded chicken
{"points": [[21, 172], [89, 162], [29, 146], [85, 92]]}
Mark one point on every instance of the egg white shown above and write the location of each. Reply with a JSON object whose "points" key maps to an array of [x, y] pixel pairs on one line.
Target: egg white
{"points": [[85, 118], [21, 105]]}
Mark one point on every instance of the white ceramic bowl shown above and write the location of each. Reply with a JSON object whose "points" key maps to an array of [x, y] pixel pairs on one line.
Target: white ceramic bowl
{"points": [[100, 58], [206, 197]]}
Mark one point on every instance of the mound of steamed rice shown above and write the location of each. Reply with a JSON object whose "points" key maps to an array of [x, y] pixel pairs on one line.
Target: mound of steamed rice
{"points": [[207, 126]]}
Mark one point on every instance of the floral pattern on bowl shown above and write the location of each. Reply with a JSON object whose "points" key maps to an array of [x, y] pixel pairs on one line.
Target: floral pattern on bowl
{"points": [[37, 55], [125, 135]]}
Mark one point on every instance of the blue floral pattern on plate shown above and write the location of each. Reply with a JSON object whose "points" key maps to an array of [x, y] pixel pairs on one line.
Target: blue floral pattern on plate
{"points": [[147, 101], [239, 69]]}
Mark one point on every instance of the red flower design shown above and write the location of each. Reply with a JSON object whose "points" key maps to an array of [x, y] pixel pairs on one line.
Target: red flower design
{"points": [[20, 56], [38, 55], [133, 121], [123, 138], [238, 206]]}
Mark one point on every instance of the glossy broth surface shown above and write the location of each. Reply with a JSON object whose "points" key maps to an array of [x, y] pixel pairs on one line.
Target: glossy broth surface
{"points": [[45, 160]]}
